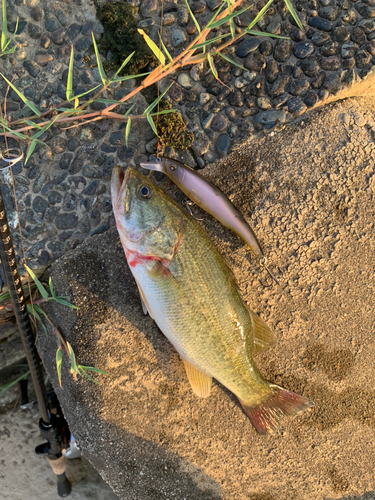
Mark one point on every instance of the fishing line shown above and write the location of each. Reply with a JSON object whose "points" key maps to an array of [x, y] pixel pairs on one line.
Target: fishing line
{"points": [[158, 84]]}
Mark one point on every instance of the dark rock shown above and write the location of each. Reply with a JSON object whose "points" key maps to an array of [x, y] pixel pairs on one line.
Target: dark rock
{"points": [[106, 205], [348, 63], [297, 35], [298, 86], [219, 123], [318, 81], [332, 83], [182, 15], [213, 4], [296, 106], [45, 41], [303, 49], [78, 162], [20, 28], [331, 12], [367, 25], [34, 31], [310, 66], [197, 7], [66, 221], [91, 172], [311, 99], [65, 161], [69, 201], [247, 46], [348, 50], [73, 144], [54, 197], [40, 205], [108, 149], [101, 229], [272, 70], [255, 62], [176, 92], [320, 38], [259, 88], [73, 31], [268, 119], [362, 59], [44, 258], [147, 23], [281, 50], [222, 144], [178, 37], [274, 27], [37, 13], [39, 181], [370, 48], [108, 167], [61, 16], [357, 36], [58, 144], [265, 48], [340, 34], [51, 25], [201, 143], [366, 10], [88, 28], [65, 235], [330, 49], [58, 38], [320, 23], [148, 7], [116, 138], [31, 67], [236, 99], [83, 44], [91, 188], [124, 153], [330, 63], [95, 217], [280, 85]]}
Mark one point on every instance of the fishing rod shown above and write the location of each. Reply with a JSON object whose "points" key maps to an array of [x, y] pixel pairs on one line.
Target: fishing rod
{"points": [[52, 425]]}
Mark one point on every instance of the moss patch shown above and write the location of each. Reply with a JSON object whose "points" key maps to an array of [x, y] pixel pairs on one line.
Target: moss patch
{"points": [[122, 38], [172, 128]]}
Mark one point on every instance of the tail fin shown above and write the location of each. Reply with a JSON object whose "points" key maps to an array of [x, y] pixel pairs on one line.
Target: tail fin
{"points": [[267, 416]]}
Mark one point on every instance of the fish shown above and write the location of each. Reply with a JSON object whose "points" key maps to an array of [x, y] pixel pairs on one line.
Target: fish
{"points": [[208, 197], [188, 289]]}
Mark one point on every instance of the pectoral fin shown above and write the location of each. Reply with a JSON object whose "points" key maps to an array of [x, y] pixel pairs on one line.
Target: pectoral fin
{"points": [[145, 307], [263, 336], [199, 381]]}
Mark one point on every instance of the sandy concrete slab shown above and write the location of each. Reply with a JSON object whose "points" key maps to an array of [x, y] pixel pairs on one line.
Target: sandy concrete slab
{"points": [[308, 191]]}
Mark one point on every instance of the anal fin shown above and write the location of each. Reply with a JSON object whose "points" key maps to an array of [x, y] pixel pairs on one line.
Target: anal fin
{"points": [[145, 307], [263, 335], [199, 381]]}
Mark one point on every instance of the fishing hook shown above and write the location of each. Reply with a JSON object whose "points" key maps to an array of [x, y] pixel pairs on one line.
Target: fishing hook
{"points": [[262, 263], [188, 204], [11, 156]]}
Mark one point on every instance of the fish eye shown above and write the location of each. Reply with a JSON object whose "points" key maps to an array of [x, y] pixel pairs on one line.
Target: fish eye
{"points": [[172, 167], [145, 192]]}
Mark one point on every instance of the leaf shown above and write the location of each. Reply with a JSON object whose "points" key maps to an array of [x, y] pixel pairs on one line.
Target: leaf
{"points": [[108, 101], [193, 17], [43, 292], [165, 49], [99, 62], [153, 104], [231, 61], [7, 386], [34, 313], [152, 124], [208, 42], [123, 65], [33, 124], [164, 112], [92, 369], [73, 363], [263, 33], [59, 355], [231, 22], [228, 17], [215, 15], [51, 287], [155, 49], [10, 51], [129, 110], [128, 77], [30, 150], [26, 101], [259, 15], [69, 83], [127, 131], [82, 371], [5, 27], [17, 134], [288, 3], [64, 302], [87, 92]]}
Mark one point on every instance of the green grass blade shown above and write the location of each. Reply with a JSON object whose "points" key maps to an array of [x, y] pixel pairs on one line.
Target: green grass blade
{"points": [[231, 61], [155, 49], [10, 39], [7, 386], [52, 290], [17, 134], [33, 124], [99, 62], [152, 124], [153, 104], [165, 49], [5, 26], [259, 15], [164, 112], [212, 66], [215, 15], [208, 42], [127, 131], [35, 312], [92, 369], [26, 101], [64, 302], [128, 77], [82, 371], [263, 33], [129, 110], [43, 292], [231, 22], [108, 101], [73, 363], [69, 83], [30, 150], [288, 3], [123, 65], [59, 355], [193, 17], [87, 92], [227, 18]]}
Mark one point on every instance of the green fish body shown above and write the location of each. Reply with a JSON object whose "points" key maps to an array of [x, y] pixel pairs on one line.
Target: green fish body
{"points": [[190, 292]]}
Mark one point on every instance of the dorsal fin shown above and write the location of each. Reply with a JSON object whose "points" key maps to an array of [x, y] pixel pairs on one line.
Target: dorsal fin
{"points": [[263, 335], [199, 381]]}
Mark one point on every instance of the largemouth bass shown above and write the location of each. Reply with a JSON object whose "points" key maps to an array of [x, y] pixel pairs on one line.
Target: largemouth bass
{"points": [[188, 289]]}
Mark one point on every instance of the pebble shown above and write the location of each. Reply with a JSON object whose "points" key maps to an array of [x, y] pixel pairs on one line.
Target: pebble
{"points": [[247, 46], [34, 31], [331, 12], [219, 123], [185, 81], [310, 66], [204, 98], [148, 7], [37, 14], [330, 63], [182, 16], [222, 144], [272, 70], [178, 37], [320, 23], [296, 106], [268, 119], [265, 48], [66, 221], [320, 38], [367, 25], [51, 25], [303, 49], [279, 86], [255, 62], [282, 50], [197, 7], [201, 143], [298, 86], [263, 103], [357, 36], [213, 4], [311, 99], [236, 99], [32, 68]]}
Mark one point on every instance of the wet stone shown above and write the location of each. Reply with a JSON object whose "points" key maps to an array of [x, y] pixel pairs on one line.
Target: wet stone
{"points": [[197, 7], [320, 23], [106, 205], [272, 70], [168, 19], [255, 62], [108, 167], [247, 46], [78, 162], [66, 221], [116, 138], [91, 188], [182, 16], [297, 35], [280, 85], [311, 99], [265, 48], [147, 23], [296, 106], [219, 123], [310, 66], [268, 119], [32, 68], [34, 31], [236, 99], [358, 36], [365, 10], [148, 7], [348, 50], [274, 27], [320, 38], [61, 16], [370, 48], [330, 49], [201, 143], [298, 86], [72, 144], [176, 92], [40, 205], [330, 63], [281, 50], [303, 49], [331, 12], [83, 44], [222, 144], [191, 28], [178, 37]]}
